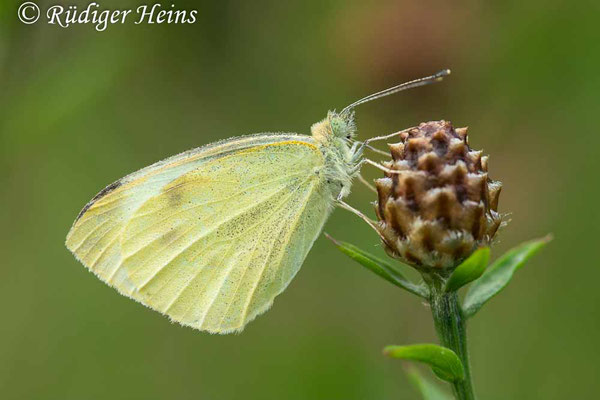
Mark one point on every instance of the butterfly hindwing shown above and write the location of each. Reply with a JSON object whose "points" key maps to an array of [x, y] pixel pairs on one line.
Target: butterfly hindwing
{"points": [[211, 236]]}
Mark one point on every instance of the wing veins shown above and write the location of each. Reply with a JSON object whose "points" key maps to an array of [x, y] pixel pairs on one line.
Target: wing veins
{"points": [[164, 246], [93, 264], [206, 282], [206, 203], [205, 234], [254, 251], [214, 298], [178, 295], [88, 236], [196, 155], [171, 279], [251, 295]]}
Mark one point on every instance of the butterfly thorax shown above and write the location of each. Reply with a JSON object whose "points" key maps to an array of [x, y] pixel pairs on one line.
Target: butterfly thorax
{"points": [[334, 135]]}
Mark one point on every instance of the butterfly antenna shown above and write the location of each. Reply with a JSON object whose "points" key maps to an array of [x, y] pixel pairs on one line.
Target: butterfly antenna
{"points": [[438, 77]]}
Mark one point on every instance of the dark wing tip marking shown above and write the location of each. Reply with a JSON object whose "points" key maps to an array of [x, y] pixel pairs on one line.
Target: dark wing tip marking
{"points": [[97, 197]]}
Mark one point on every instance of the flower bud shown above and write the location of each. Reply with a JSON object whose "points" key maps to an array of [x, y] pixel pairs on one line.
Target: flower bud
{"points": [[437, 204]]}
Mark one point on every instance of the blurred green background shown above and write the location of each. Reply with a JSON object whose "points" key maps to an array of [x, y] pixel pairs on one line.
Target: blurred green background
{"points": [[80, 108]]}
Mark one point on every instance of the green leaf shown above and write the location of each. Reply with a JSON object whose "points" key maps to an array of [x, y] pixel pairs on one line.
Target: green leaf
{"points": [[380, 267], [469, 270], [499, 274], [428, 389], [443, 361]]}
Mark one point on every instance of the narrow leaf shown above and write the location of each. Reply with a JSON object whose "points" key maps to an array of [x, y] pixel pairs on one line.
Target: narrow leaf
{"points": [[469, 270], [380, 267], [428, 389], [499, 274], [444, 362]]}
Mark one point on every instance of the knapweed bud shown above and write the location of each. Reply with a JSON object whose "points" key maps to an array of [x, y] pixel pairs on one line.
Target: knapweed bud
{"points": [[437, 204]]}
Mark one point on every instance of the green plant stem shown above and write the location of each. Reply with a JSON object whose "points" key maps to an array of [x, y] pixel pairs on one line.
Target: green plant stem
{"points": [[450, 326]]}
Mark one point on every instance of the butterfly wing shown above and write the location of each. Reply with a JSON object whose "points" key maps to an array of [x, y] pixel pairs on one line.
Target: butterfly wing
{"points": [[211, 236]]}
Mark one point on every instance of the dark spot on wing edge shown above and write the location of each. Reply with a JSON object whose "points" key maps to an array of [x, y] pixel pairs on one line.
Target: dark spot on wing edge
{"points": [[97, 197]]}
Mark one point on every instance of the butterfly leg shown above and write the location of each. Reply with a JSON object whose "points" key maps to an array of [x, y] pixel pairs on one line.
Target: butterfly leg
{"points": [[385, 137], [357, 152], [366, 183], [355, 146], [357, 167], [362, 216], [381, 167], [377, 151]]}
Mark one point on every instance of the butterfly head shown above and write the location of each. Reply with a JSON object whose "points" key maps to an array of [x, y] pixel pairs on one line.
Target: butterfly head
{"points": [[336, 126], [342, 125]]}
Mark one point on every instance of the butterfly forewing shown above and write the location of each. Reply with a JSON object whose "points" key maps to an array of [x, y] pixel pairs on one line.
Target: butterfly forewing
{"points": [[211, 236]]}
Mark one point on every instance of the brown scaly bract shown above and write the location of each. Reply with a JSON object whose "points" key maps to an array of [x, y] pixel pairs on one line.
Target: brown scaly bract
{"points": [[439, 205]]}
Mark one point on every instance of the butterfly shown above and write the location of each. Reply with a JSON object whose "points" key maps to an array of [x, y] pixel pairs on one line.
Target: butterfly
{"points": [[211, 236]]}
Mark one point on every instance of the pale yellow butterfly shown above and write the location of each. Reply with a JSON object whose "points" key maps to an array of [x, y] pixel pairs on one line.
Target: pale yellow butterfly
{"points": [[211, 236]]}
